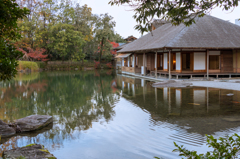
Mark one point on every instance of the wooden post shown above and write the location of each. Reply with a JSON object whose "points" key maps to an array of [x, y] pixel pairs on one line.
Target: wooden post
{"points": [[207, 64], [135, 61], [156, 64], [169, 65], [128, 61], [144, 61], [236, 61]]}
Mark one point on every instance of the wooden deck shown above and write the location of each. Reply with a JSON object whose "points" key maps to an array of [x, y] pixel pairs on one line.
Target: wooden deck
{"points": [[194, 74]]}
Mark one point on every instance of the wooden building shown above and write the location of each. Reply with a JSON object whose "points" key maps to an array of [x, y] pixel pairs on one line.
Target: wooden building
{"points": [[130, 39], [211, 46]]}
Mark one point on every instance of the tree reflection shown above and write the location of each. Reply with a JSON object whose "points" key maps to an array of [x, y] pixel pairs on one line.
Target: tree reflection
{"points": [[74, 99]]}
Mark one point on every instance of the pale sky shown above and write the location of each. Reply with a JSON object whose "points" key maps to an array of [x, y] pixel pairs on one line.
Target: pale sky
{"points": [[125, 22]]}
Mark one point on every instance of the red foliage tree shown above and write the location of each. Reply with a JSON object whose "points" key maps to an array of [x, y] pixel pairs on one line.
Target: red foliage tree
{"points": [[114, 45], [37, 54], [30, 53]]}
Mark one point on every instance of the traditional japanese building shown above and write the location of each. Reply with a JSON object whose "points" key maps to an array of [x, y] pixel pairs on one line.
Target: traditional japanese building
{"points": [[211, 46]]}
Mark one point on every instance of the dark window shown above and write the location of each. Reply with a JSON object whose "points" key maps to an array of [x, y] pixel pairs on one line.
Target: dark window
{"points": [[214, 62]]}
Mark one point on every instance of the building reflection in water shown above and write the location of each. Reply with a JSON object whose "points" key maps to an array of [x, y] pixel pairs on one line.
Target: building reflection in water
{"points": [[195, 111]]}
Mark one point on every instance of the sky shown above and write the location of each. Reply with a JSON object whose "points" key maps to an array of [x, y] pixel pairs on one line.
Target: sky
{"points": [[123, 15]]}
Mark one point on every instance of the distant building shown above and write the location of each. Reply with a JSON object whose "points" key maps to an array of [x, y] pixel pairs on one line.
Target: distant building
{"points": [[237, 21], [130, 38]]}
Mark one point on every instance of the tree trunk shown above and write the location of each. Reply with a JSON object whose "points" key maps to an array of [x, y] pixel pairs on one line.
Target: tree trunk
{"points": [[101, 51]]}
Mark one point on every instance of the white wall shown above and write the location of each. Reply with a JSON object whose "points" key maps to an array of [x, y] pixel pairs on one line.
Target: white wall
{"points": [[133, 60], [165, 58], [199, 61], [178, 61], [214, 52]]}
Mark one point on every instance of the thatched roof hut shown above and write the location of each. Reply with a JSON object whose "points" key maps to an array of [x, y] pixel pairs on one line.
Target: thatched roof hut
{"points": [[207, 33]]}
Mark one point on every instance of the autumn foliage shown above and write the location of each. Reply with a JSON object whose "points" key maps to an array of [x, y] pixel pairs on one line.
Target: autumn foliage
{"points": [[114, 45], [109, 65], [97, 63], [30, 53], [38, 54]]}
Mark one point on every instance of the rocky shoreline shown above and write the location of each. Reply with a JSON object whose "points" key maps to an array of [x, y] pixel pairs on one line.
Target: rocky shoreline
{"points": [[32, 151], [29, 124]]}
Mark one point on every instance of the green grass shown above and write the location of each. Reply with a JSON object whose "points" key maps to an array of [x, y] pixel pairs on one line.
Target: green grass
{"points": [[27, 64], [30, 145], [41, 64]]}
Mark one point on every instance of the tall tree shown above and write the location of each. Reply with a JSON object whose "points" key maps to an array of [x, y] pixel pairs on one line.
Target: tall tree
{"points": [[177, 11], [9, 13], [118, 38], [103, 34], [84, 21], [66, 42]]}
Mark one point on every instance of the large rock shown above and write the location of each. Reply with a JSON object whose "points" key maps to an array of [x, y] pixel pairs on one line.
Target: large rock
{"points": [[5, 130], [33, 122], [33, 151]]}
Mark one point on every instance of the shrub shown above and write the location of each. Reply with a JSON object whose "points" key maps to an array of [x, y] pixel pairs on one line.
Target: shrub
{"points": [[109, 65], [224, 148], [41, 64], [27, 64]]}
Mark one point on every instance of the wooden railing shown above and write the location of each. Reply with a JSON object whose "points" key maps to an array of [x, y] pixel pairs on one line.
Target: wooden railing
{"points": [[128, 69]]}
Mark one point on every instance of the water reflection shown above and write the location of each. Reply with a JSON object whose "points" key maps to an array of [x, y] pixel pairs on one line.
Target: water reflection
{"points": [[100, 115], [192, 112], [74, 99]]}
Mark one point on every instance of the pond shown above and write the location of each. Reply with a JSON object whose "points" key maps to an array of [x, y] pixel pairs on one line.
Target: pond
{"points": [[99, 114]]}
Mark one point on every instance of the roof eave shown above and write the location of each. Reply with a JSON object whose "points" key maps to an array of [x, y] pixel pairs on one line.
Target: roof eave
{"points": [[169, 48]]}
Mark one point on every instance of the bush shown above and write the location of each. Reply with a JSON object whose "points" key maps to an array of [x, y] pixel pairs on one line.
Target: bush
{"points": [[224, 148], [27, 64], [109, 65], [41, 64]]}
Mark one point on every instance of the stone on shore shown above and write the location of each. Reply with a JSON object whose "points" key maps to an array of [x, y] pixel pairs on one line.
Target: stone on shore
{"points": [[5, 130], [171, 83], [32, 151], [33, 122]]}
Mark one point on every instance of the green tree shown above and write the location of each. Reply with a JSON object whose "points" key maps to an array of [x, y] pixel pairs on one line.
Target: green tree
{"points": [[9, 13], [177, 11], [84, 21], [104, 34], [118, 38], [66, 42]]}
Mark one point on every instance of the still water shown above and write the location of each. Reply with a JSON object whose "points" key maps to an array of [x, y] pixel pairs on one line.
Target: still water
{"points": [[104, 115]]}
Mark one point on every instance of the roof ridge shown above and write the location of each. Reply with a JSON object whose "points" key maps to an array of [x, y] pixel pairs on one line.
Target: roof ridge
{"points": [[225, 21], [177, 34]]}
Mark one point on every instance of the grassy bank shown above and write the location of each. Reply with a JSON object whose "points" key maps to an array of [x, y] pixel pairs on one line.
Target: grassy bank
{"points": [[68, 65], [59, 65], [23, 65]]}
